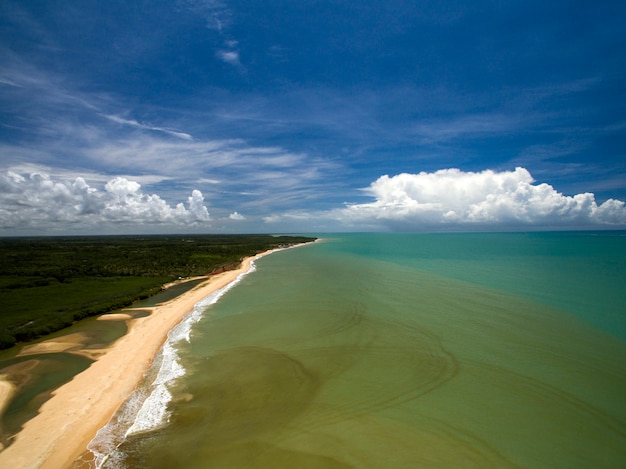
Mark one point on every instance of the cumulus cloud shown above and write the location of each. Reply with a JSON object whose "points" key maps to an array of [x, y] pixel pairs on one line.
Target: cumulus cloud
{"points": [[196, 206], [236, 216], [37, 200], [452, 197]]}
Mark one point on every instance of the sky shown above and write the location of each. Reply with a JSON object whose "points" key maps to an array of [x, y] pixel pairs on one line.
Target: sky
{"points": [[220, 116]]}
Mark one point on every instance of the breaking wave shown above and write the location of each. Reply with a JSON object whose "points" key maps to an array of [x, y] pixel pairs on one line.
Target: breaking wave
{"points": [[146, 409]]}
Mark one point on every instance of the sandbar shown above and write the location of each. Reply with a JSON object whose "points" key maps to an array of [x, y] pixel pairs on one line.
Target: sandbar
{"points": [[66, 343], [68, 421], [115, 316], [6, 391]]}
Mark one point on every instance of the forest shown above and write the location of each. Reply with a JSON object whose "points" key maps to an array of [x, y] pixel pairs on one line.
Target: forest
{"points": [[47, 284]]}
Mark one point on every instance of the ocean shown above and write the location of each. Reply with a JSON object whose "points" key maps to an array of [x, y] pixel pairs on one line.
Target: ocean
{"points": [[395, 351]]}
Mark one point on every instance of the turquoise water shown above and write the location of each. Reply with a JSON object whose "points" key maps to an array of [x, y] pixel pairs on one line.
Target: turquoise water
{"points": [[583, 273], [406, 350]]}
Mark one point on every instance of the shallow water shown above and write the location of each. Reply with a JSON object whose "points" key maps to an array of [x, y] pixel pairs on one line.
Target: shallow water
{"points": [[374, 351]]}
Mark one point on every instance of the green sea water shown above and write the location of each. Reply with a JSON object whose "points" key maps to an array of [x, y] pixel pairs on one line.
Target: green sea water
{"points": [[407, 350]]}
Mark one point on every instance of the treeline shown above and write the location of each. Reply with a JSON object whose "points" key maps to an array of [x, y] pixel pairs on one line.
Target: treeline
{"points": [[46, 284]]}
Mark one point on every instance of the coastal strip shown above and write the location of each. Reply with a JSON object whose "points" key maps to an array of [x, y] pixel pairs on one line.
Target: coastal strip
{"points": [[69, 420]]}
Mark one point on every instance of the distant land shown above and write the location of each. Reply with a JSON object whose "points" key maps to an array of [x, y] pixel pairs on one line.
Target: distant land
{"points": [[49, 283]]}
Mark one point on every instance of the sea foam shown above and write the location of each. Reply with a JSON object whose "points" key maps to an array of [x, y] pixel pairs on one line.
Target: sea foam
{"points": [[146, 409]]}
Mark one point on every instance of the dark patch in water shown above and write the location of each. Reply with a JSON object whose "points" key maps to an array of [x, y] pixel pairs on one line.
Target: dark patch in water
{"points": [[246, 392]]}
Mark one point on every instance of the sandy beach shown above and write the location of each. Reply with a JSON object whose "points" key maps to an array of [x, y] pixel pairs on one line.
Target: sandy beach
{"points": [[68, 421]]}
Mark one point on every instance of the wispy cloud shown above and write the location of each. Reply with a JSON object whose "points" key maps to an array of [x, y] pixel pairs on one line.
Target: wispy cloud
{"points": [[466, 126], [90, 137], [102, 141], [216, 12], [231, 57], [138, 125], [219, 17]]}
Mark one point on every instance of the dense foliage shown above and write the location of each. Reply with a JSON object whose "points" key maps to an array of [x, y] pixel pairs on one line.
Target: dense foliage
{"points": [[46, 284]]}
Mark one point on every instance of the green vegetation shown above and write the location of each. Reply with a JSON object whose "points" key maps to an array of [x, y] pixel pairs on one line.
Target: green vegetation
{"points": [[47, 284]]}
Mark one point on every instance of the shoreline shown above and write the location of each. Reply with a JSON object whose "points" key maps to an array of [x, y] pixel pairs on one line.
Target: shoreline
{"points": [[67, 422]]}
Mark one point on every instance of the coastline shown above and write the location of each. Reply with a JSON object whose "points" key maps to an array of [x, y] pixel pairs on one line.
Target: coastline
{"points": [[67, 422]]}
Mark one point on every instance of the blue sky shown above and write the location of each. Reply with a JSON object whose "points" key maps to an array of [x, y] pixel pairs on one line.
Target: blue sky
{"points": [[257, 116]]}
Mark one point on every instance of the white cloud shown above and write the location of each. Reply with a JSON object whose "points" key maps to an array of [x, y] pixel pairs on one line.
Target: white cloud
{"points": [[196, 206], [451, 197], [275, 218], [229, 56], [434, 131], [218, 18], [217, 14], [232, 173], [445, 199], [236, 216], [139, 125], [37, 200]]}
